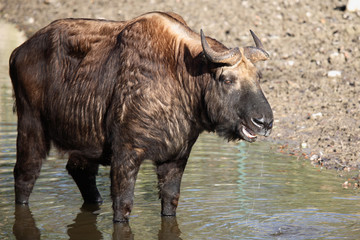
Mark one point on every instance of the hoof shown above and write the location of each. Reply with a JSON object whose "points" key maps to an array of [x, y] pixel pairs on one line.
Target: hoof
{"points": [[121, 220], [97, 200], [22, 200], [168, 214]]}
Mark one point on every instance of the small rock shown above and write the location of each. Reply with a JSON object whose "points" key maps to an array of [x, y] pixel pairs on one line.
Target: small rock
{"points": [[334, 73], [290, 63], [30, 20], [351, 30], [304, 145], [316, 115], [314, 157], [337, 58], [318, 63], [353, 5]]}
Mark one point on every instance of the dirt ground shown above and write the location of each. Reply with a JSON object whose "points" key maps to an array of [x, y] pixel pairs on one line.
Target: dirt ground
{"points": [[312, 80]]}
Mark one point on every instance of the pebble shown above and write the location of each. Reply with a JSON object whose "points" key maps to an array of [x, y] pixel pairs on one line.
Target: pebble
{"points": [[290, 63], [334, 73], [316, 115], [30, 20], [337, 58], [304, 145], [353, 5], [314, 157]]}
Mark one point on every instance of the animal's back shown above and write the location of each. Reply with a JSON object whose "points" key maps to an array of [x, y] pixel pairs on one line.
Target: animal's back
{"points": [[63, 75]]}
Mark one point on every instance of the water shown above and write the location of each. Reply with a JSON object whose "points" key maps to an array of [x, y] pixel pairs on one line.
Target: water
{"points": [[229, 191]]}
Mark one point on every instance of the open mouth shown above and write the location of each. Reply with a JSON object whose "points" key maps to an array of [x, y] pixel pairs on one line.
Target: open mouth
{"points": [[247, 134]]}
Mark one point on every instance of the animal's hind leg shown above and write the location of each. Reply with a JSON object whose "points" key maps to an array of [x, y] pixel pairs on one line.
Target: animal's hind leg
{"points": [[32, 148], [84, 172]]}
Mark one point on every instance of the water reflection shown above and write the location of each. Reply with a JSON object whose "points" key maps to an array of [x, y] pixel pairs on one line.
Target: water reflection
{"points": [[84, 226], [169, 229], [24, 227], [225, 196], [122, 231]]}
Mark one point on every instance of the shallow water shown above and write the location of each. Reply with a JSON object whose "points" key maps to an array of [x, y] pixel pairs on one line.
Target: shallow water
{"points": [[229, 191]]}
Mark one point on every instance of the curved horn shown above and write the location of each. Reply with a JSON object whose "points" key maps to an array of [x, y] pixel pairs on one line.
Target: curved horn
{"points": [[255, 54], [257, 41], [229, 57]]}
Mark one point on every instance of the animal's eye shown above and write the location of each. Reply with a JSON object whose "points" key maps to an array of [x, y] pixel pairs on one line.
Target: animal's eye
{"points": [[228, 81]]}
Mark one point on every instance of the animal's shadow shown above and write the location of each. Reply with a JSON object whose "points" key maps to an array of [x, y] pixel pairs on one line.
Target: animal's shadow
{"points": [[85, 226]]}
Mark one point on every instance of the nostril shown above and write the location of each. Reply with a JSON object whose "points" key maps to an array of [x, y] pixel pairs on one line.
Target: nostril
{"points": [[262, 122], [271, 124], [259, 122]]}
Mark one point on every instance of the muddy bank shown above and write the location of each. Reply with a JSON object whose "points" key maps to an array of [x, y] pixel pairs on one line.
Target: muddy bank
{"points": [[312, 80]]}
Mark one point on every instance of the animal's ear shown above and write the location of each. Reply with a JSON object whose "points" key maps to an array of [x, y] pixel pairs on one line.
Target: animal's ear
{"points": [[255, 54], [229, 57]]}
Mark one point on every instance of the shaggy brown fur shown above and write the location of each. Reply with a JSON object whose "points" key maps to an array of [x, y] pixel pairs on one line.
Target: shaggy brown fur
{"points": [[116, 93]]}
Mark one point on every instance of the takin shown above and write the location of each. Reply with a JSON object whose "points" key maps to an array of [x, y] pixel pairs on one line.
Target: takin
{"points": [[119, 92]]}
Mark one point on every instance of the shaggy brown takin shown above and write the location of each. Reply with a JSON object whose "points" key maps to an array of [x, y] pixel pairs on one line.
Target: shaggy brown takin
{"points": [[116, 93]]}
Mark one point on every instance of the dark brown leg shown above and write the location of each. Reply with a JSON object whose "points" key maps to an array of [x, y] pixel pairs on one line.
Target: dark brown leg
{"points": [[32, 148], [124, 170], [84, 174], [169, 177]]}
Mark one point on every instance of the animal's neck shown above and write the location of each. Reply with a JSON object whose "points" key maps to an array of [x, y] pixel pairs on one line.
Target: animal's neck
{"points": [[194, 78]]}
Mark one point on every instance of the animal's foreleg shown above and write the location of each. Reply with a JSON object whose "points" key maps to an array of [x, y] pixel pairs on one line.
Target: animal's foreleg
{"points": [[124, 170], [169, 177]]}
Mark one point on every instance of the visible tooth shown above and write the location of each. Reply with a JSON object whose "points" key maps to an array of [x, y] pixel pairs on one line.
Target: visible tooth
{"points": [[249, 135]]}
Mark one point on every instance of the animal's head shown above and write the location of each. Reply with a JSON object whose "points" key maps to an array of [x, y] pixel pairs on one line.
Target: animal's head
{"points": [[235, 102]]}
